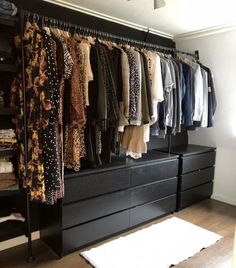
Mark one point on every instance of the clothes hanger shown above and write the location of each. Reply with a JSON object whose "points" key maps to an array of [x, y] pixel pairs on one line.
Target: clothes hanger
{"points": [[54, 28], [108, 42], [28, 23], [79, 37], [63, 30], [91, 39], [57, 28]]}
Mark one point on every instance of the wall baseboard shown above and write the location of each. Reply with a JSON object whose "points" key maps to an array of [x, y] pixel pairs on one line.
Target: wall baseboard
{"points": [[17, 241], [224, 199]]}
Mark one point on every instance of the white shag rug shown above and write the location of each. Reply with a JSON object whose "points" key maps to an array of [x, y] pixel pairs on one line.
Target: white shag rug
{"points": [[158, 246]]}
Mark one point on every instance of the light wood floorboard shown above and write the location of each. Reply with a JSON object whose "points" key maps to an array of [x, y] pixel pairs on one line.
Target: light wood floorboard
{"points": [[210, 214]]}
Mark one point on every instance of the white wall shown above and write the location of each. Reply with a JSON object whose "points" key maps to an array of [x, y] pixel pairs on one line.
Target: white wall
{"points": [[218, 52]]}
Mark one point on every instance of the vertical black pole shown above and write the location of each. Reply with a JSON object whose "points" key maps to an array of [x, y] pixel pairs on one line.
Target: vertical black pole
{"points": [[30, 257], [169, 143]]}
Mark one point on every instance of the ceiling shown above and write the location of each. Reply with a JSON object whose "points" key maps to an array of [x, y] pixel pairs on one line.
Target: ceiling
{"points": [[176, 18]]}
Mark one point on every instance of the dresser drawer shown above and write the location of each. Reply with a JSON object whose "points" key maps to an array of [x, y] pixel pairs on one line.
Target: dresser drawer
{"points": [[153, 191], [199, 161], [82, 187], [154, 172], [152, 210], [196, 178], [84, 234], [87, 210], [195, 195]]}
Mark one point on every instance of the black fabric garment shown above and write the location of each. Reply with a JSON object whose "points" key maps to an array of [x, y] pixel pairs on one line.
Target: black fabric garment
{"points": [[212, 103], [178, 111], [134, 85], [67, 102], [103, 112], [110, 87], [187, 104], [117, 72], [93, 158], [174, 69], [145, 108], [110, 136], [161, 115], [148, 85], [50, 148], [96, 111], [60, 64], [161, 106]]}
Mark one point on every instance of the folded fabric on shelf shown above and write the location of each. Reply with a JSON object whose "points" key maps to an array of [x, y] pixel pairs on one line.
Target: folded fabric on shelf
{"points": [[7, 8], [4, 184], [13, 216], [6, 167], [4, 140], [7, 134], [7, 176], [5, 145]]}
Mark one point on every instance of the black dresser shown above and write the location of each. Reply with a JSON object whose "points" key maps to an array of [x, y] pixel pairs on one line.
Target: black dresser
{"points": [[196, 173], [99, 203]]}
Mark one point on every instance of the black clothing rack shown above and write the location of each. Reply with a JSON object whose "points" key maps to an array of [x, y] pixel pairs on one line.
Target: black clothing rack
{"points": [[30, 257], [73, 28], [70, 27]]}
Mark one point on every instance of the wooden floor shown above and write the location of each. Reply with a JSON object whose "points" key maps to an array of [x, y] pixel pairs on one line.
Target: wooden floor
{"points": [[210, 214]]}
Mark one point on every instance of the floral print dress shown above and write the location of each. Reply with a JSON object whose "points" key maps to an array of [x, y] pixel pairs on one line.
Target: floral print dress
{"points": [[40, 168]]}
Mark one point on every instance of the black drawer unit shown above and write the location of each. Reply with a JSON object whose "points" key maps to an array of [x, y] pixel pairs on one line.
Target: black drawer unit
{"points": [[196, 173], [195, 194], [196, 178], [94, 208], [152, 210], [80, 186], [197, 162], [148, 172], [84, 234], [154, 191], [101, 202]]}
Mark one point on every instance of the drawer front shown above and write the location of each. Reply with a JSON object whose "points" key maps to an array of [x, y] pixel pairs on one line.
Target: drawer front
{"points": [[86, 210], [195, 195], [150, 192], [84, 234], [195, 162], [196, 178], [152, 210], [82, 187], [154, 172]]}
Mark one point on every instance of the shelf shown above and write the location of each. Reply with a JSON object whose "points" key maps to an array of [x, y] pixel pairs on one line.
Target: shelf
{"points": [[7, 111], [10, 68], [11, 229], [8, 151], [5, 57], [8, 20], [13, 190]]}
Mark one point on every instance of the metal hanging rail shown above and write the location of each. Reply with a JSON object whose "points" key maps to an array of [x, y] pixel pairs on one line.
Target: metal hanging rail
{"points": [[48, 21]]}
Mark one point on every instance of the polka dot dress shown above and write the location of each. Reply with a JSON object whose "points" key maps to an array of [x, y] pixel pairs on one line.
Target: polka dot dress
{"points": [[52, 162]]}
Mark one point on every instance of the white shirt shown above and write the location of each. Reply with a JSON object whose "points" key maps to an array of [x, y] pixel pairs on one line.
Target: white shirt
{"points": [[157, 94], [204, 121]]}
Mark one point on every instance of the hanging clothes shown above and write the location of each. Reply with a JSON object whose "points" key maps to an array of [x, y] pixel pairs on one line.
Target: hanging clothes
{"points": [[86, 98], [41, 173]]}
